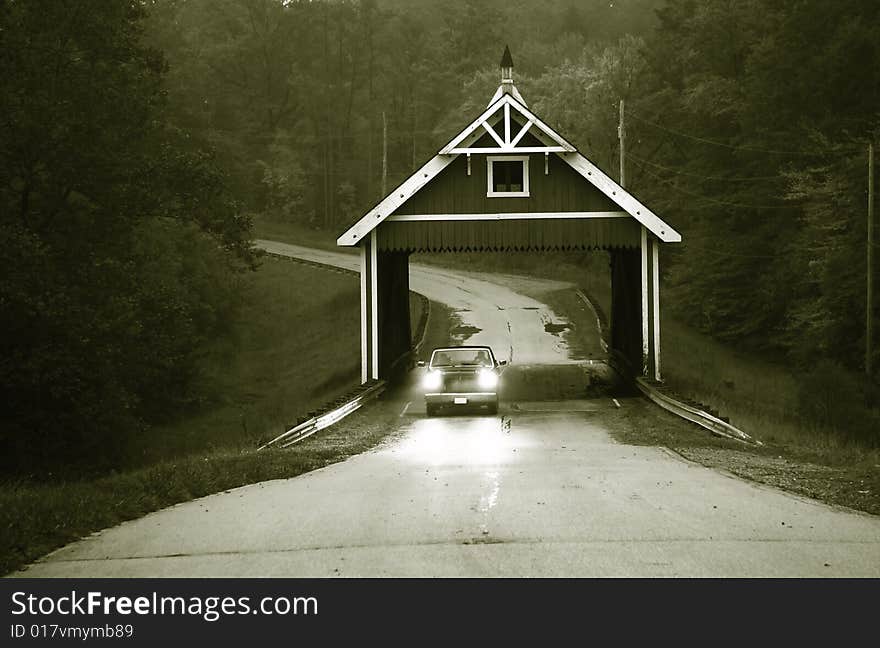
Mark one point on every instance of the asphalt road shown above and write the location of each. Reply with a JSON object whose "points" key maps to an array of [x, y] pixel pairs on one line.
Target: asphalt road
{"points": [[540, 490], [508, 321]]}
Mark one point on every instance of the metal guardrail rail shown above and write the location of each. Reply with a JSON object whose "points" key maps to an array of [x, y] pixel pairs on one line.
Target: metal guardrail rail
{"points": [[693, 414], [705, 420], [307, 428], [316, 423]]}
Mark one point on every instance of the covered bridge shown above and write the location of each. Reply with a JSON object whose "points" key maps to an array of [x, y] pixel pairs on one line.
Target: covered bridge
{"points": [[508, 182]]}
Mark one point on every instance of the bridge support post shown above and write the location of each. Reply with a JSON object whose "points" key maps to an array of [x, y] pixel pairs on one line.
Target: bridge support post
{"points": [[635, 306], [386, 338], [395, 332], [626, 337], [369, 310], [650, 305]]}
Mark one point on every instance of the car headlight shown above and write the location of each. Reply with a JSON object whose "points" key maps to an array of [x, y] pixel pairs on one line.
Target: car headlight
{"points": [[432, 380], [487, 379]]}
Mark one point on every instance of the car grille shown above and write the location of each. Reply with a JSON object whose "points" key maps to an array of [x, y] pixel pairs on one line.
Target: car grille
{"points": [[460, 383]]}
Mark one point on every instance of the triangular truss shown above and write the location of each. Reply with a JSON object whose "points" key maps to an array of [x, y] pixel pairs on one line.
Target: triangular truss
{"points": [[499, 114]]}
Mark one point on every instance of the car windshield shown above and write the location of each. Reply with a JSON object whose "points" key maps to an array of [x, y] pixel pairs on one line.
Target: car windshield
{"points": [[461, 357]]}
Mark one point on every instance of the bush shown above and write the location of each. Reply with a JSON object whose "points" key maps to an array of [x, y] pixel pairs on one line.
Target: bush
{"points": [[833, 399]]}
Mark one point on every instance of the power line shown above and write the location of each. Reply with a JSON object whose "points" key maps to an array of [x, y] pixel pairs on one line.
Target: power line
{"points": [[690, 246], [705, 177], [737, 148], [726, 203]]}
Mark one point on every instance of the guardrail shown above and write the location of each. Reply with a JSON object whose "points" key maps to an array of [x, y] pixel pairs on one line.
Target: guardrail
{"points": [[313, 264], [307, 428], [695, 415], [368, 391]]}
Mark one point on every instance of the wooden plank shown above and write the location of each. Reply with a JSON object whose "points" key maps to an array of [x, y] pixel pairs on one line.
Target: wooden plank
{"points": [[397, 197], [374, 306], [494, 135], [396, 218], [644, 293], [521, 133], [365, 341], [615, 192], [509, 149], [550, 234], [473, 126], [549, 132], [655, 293]]}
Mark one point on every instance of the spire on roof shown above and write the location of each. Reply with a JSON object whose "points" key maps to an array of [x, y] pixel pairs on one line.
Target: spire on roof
{"points": [[507, 86], [506, 58]]}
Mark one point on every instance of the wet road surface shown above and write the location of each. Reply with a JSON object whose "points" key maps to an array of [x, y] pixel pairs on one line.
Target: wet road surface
{"points": [[508, 321], [540, 490]]}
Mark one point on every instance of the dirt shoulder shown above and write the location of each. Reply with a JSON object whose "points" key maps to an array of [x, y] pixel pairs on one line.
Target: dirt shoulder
{"points": [[853, 486]]}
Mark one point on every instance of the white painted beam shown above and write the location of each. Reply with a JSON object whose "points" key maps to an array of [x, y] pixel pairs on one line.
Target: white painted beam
{"points": [[365, 339], [655, 293], [509, 149], [374, 310], [645, 313], [400, 218]]}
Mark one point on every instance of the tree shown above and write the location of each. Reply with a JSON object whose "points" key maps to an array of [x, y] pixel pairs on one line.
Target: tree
{"points": [[121, 243]]}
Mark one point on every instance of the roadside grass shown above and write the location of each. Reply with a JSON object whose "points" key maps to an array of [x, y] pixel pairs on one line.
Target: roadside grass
{"points": [[295, 348], [38, 518], [296, 234], [793, 468], [761, 397]]}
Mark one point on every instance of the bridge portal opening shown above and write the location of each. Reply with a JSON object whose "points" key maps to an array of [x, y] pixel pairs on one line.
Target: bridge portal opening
{"points": [[508, 183]]}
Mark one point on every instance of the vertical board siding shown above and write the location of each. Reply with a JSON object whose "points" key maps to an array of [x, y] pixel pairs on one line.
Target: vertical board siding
{"points": [[453, 191], [545, 234]]}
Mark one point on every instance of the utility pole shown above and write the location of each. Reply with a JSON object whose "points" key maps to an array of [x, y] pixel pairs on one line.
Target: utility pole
{"points": [[384, 154], [621, 134], [869, 305]]}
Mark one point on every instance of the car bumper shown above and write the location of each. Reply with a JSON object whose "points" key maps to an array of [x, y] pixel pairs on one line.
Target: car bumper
{"points": [[461, 398]]}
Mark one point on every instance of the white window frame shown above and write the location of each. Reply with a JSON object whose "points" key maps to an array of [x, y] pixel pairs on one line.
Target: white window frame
{"points": [[507, 194]]}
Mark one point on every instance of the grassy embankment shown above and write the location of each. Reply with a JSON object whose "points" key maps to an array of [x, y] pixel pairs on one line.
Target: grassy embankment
{"points": [[294, 349]]}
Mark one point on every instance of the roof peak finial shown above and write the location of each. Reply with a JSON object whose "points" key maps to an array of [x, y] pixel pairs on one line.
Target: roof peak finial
{"points": [[507, 87], [506, 66]]}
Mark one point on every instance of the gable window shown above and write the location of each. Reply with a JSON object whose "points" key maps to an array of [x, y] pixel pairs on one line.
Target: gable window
{"points": [[508, 176]]}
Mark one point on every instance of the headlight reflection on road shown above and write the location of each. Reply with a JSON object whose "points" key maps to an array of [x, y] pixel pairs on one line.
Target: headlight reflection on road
{"points": [[458, 441]]}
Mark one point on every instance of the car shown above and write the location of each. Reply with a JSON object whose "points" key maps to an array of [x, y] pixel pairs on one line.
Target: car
{"points": [[461, 377]]}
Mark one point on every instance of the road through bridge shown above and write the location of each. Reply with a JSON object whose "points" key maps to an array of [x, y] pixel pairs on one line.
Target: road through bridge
{"points": [[542, 489]]}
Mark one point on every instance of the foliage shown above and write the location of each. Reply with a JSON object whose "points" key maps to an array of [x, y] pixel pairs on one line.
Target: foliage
{"points": [[138, 135], [120, 243], [747, 125], [316, 79]]}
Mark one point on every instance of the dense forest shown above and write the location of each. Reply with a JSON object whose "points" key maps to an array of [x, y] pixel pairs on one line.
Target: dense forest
{"points": [[747, 125], [139, 138]]}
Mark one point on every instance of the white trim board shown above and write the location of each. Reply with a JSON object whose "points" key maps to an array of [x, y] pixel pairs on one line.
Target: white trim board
{"points": [[374, 305], [409, 218], [508, 149]]}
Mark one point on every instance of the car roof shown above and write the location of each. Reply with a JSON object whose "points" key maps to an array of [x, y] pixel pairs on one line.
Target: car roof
{"points": [[455, 348]]}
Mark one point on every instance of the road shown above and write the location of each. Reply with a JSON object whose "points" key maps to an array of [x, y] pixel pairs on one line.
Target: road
{"points": [[541, 490], [508, 321]]}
